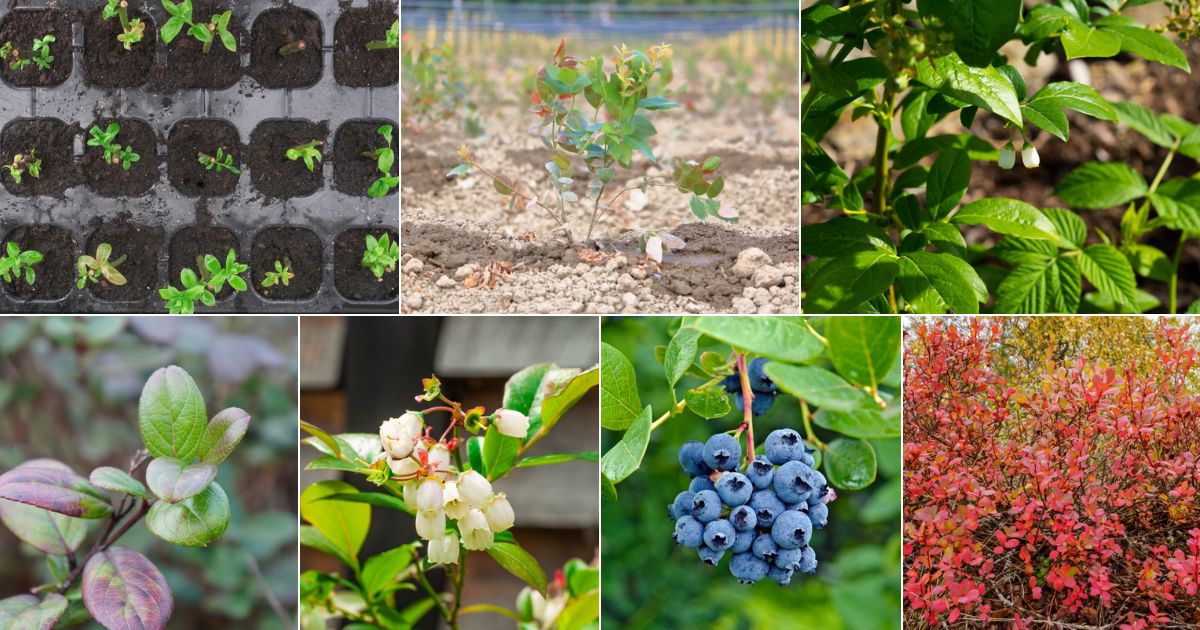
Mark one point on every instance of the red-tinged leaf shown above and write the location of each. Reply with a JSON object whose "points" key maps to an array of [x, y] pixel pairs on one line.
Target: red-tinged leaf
{"points": [[224, 432], [125, 591], [173, 481], [55, 488], [27, 612]]}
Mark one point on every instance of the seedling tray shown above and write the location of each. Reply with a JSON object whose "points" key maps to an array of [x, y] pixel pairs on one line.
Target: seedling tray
{"points": [[168, 100]]}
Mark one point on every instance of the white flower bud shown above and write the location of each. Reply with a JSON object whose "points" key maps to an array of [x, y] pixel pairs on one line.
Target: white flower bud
{"points": [[444, 550], [396, 438], [405, 467], [455, 507], [429, 496], [531, 605], [1008, 156], [474, 489], [499, 513], [410, 493], [1029, 156], [475, 533], [511, 423], [431, 524]]}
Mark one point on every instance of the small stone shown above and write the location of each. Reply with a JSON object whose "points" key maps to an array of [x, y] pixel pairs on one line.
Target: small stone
{"points": [[626, 282], [744, 306], [616, 262], [465, 271], [630, 300], [414, 301], [748, 262], [767, 276], [414, 266], [582, 268], [444, 282], [638, 273]]}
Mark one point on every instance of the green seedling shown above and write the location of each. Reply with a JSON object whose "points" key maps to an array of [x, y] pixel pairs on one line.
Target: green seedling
{"points": [[307, 152], [131, 30], [183, 301], [216, 274], [113, 152], [92, 268], [222, 161], [181, 16], [24, 163], [384, 158], [15, 260], [282, 274], [41, 54], [381, 255], [392, 41], [292, 48]]}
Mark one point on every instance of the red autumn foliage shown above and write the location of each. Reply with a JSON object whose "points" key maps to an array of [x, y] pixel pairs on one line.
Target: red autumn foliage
{"points": [[1073, 501]]}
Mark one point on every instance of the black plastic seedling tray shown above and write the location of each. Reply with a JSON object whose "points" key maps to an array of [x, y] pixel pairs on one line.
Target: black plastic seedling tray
{"points": [[170, 101]]}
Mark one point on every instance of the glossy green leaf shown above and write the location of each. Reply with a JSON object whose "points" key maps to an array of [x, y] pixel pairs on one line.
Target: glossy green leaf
{"points": [[561, 389], [980, 27], [843, 285], [223, 433], [518, 562], [580, 613], [1097, 185], [1007, 216], [475, 454], [344, 524], [377, 499], [313, 538], [522, 388], [1072, 231], [380, 571], [624, 458], [1177, 201], [557, 458], [1047, 285], [947, 182], [818, 386], [708, 403], [173, 481], [850, 464], [1080, 40], [1150, 46], [620, 403], [681, 353], [193, 522], [1146, 122], [117, 480], [940, 283], [1110, 272], [987, 88], [841, 236], [499, 453], [1045, 107], [171, 415], [861, 423], [782, 338], [863, 349]]}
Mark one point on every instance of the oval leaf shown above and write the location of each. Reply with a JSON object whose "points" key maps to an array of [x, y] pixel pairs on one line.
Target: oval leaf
{"points": [[818, 386], [681, 353], [49, 532], [173, 481], [863, 349], [499, 453], [624, 458], [343, 523], [708, 403], [171, 415], [117, 480], [193, 522], [223, 433], [1008, 216], [56, 489], [125, 591], [1097, 185], [850, 464], [518, 562], [864, 423], [28, 613], [782, 338], [620, 403], [522, 387]]}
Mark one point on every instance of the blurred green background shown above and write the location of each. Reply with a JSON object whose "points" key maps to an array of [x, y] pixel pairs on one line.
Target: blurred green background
{"points": [[649, 582], [69, 389]]}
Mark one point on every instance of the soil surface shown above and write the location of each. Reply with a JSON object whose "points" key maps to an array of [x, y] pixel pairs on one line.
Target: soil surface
{"points": [[353, 64], [350, 277], [23, 26], [196, 241], [140, 245], [275, 28], [191, 137], [271, 171], [298, 247], [353, 173], [106, 63], [55, 275], [52, 141], [188, 66], [112, 180]]}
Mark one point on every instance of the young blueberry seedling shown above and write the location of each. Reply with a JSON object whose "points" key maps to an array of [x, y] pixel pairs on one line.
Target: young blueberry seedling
{"points": [[381, 255], [131, 30], [292, 48], [307, 152], [41, 54], [216, 274], [384, 158], [14, 260], [181, 15], [282, 274], [221, 161], [392, 41], [113, 152], [92, 268], [23, 163], [183, 301]]}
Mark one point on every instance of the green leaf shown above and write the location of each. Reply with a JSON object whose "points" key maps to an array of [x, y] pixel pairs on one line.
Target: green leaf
{"points": [[458, 170], [608, 490], [499, 453], [49, 532], [940, 283], [171, 415], [343, 523], [1048, 285], [557, 458], [707, 403], [312, 537], [377, 499], [947, 183], [847, 282], [1007, 216], [1150, 46], [620, 403], [580, 613], [1177, 201], [861, 423], [1146, 122], [475, 454], [117, 480], [624, 458], [1045, 107], [27, 611], [173, 481], [1081, 40], [782, 338], [841, 236], [1110, 272], [850, 464], [681, 353], [380, 571], [194, 522], [518, 562], [330, 462], [123, 590], [863, 349], [1071, 229], [945, 237], [223, 433], [1097, 185], [522, 388], [561, 389], [818, 386], [983, 87], [980, 27]]}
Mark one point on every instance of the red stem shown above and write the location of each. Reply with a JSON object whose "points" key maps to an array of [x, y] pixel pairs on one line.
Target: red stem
{"points": [[747, 407]]}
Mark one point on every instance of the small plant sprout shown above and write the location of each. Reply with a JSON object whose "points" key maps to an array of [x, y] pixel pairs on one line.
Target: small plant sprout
{"points": [[282, 274], [307, 152], [381, 255], [292, 48], [113, 152], [181, 15], [216, 274], [91, 269], [23, 163], [9, 53], [222, 161], [392, 41], [384, 159], [131, 30], [15, 260], [183, 301], [41, 54], [204, 287]]}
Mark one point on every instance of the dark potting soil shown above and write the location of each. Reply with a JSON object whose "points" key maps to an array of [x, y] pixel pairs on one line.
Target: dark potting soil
{"points": [[353, 172], [140, 245], [272, 173], [353, 64], [21, 27], [191, 137], [275, 28], [299, 247], [106, 63], [55, 275], [189, 67], [52, 141], [196, 241], [112, 180], [354, 281]]}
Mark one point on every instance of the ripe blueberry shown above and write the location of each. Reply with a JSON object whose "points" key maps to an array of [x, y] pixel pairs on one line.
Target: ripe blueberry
{"points": [[706, 506], [722, 452], [760, 472], [743, 542], [691, 458], [808, 561], [689, 532], [758, 380], [682, 504], [743, 518], [766, 506], [761, 405], [711, 556], [783, 446], [782, 577], [701, 483], [719, 535], [734, 488], [747, 568], [789, 559], [792, 482], [819, 515], [764, 547], [792, 530]]}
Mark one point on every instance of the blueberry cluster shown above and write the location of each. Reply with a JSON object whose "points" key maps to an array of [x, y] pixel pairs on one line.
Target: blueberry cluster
{"points": [[764, 515], [764, 390]]}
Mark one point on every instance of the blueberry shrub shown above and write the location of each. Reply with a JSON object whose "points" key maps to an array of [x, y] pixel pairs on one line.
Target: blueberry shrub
{"points": [[773, 456], [946, 84]]}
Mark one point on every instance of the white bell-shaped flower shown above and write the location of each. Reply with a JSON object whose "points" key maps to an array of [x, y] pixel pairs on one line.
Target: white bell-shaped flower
{"points": [[511, 423], [455, 507], [1029, 156], [429, 496], [444, 550], [476, 536], [396, 437], [405, 467], [431, 524], [499, 513], [1008, 156], [474, 489], [437, 459]]}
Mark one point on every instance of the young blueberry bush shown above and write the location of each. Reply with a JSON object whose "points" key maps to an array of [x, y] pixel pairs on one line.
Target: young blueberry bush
{"points": [[23, 163], [19, 263], [444, 482], [181, 16], [131, 30], [204, 287], [96, 268], [897, 243], [1068, 500], [113, 153], [434, 88], [55, 510]]}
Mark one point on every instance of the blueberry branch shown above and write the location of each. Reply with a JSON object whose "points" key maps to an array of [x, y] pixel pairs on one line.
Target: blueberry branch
{"points": [[808, 430], [747, 406]]}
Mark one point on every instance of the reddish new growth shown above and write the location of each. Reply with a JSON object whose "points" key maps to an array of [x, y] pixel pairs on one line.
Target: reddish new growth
{"points": [[1069, 502]]}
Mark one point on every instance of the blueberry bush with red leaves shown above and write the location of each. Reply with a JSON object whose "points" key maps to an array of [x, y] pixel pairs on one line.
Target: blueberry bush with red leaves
{"points": [[1067, 503]]}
